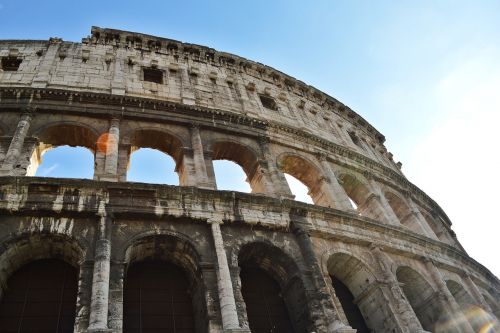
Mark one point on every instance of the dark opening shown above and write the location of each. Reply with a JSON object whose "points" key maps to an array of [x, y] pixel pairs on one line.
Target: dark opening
{"points": [[268, 102], [156, 299], [351, 310], [266, 309], [40, 297], [11, 63], [153, 75], [354, 139]]}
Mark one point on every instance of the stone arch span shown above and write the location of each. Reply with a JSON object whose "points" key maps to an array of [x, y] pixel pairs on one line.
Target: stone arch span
{"points": [[310, 174], [421, 296], [356, 275], [55, 260], [358, 190], [245, 157], [168, 265], [278, 274], [403, 212]]}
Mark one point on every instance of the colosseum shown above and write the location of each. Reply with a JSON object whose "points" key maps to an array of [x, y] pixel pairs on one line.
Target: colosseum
{"points": [[373, 253]]}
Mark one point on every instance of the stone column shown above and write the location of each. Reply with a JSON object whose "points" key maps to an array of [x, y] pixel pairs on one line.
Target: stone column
{"points": [[111, 151], [277, 184], [419, 218], [187, 93], [226, 296], [340, 197], [404, 311], [98, 321], [117, 82], [198, 159], [42, 75], [16, 145], [475, 291], [320, 293], [116, 296], [379, 204], [449, 304], [211, 182]]}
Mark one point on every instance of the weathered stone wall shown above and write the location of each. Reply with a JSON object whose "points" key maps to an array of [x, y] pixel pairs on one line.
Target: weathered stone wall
{"points": [[395, 252]]}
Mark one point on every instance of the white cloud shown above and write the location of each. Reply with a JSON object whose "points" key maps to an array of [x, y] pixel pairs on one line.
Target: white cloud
{"points": [[47, 171], [457, 163]]}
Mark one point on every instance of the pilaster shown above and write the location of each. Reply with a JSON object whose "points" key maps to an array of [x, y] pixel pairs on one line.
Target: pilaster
{"points": [[16, 145]]}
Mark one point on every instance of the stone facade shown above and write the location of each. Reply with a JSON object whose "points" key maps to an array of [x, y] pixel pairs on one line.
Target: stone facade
{"points": [[119, 91]]}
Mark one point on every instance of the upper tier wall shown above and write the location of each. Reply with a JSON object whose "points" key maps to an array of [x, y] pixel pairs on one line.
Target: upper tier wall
{"points": [[112, 61]]}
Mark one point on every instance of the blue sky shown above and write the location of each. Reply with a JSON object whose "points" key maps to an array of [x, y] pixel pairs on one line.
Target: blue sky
{"points": [[425, 73]]}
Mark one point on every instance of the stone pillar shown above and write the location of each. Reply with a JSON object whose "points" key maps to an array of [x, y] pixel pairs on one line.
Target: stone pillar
{"points": [[404, 311], [16, 145], [320, 293], [110, 148], [340, 197], [200, 167], [187, 93], [278, 184], [449, 304], [476, 293], [117, 82], [226, 296], [83, 298], [98, 321], [42, 75], [115, 320], [211, 182], [420, 219], [246, 104], [379, 205]]}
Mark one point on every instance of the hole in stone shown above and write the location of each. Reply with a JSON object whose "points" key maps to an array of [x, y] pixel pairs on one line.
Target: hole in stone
{"points": [[268, 102], [298, 189], [10, 64], [152, 166], [64, 162], [153, 75], [230, 176]]}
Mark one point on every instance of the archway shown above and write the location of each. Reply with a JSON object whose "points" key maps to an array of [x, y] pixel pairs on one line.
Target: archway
{"points": [[403, 212], [152, 166], [269, 278], [163, 287], [146, 151], [245, 159], [156, 298], [359, 195], [308, 174], [421, 297], [41, 297], [351, 279], [62, 145]]}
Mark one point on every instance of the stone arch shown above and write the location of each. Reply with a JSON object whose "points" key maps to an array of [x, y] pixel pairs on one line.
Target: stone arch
{"points": [[403, 212], [264, 259], [494, 304], [63, 133], [356, 275], [172, 252], [163, 141], [243, 155], [358, 190], [438, 228], [310, 174], [18, 252], [421, 296]]}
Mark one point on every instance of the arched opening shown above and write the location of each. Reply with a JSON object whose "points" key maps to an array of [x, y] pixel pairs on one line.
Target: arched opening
{"points": [[147, 160], [266, 309], [476, 316], [163, 288], [421, 297], [439, 229], [152, 166], [494, 306], [299, 190], [66, 162], [359, 195], [63, 151], [270, 278], [156, 298], [403, 212], [230, 176], [355, 287], [245, 160], [310, 176], [41, 297]]}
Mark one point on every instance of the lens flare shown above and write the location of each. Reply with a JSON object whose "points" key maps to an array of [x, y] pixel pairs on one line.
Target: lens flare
{"points": [[107, 143]]}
